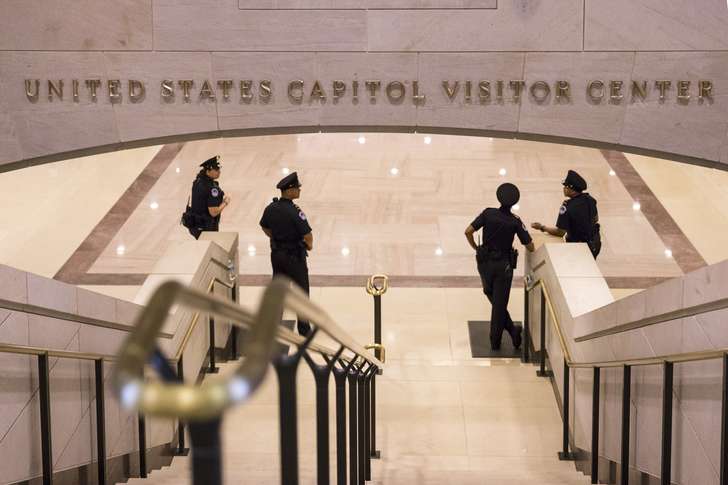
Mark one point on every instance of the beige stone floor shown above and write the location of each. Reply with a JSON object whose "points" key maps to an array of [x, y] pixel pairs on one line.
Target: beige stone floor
{"points": [[443, 416], [389, 223]]}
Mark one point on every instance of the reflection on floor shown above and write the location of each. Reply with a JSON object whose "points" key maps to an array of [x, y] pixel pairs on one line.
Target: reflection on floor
{"points": [[443, 416]]}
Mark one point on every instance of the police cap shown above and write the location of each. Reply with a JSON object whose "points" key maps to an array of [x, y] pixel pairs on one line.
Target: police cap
{"points": [[211, 163], [508, 194], [575, 181], [289, 181]]}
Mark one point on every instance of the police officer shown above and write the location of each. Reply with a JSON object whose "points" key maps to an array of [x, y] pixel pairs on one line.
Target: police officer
{"points": [[578, 216], [290, 237], [497, 259], [208, 200]]}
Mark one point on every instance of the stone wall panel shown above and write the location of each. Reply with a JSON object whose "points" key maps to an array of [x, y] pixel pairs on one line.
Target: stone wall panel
{"points": [[535, 25], [76, 25], [656, 25], [223, 27]]}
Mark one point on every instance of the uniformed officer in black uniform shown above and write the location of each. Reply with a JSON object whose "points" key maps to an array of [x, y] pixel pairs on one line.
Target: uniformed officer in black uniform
{"points": [[497, 259], [208, 200], [578, 216], [290, 237]]}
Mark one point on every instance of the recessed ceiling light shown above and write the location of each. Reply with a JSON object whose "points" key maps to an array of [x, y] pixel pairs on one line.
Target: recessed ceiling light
{"points": [[362, 140], [345, 251], [285, 170], [438, 251], [502, 172], [120, 250], [154, 205], [394, 171], [177, 170], [251, 250], [668, 253], [428, 140], [612, 173], [516, 207], [636, 206]]}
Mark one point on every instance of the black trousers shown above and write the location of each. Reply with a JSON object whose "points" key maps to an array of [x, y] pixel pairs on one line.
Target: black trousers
{"points": [[497, 277], [293, 264]]}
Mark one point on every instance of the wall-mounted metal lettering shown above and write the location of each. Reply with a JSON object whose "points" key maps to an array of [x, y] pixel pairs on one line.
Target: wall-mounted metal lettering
{"points": [[298, 91]]}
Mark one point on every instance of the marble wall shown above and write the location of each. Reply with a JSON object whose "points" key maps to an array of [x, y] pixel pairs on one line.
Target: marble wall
{"points": [[402, 41], [72, 381], [583, 304]]}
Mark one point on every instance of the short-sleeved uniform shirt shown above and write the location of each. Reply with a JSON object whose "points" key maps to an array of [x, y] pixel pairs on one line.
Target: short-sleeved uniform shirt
{"points": [[577, 216], [206, 193], [500, 227], [286, 221]]}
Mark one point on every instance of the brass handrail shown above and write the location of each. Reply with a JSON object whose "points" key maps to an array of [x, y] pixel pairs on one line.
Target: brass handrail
{"points": [[642, 361], [212, 397]]}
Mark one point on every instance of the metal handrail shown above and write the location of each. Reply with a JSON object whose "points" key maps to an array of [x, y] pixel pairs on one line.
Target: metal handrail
{"points": [[212, 397], [661, 318], [62, 354], [554, 319], [69, 317]]}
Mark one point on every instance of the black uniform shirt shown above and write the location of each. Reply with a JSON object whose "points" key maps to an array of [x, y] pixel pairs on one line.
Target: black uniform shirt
{"points": [[577, 217], [206, 193], [287, 223], [500, 227]]}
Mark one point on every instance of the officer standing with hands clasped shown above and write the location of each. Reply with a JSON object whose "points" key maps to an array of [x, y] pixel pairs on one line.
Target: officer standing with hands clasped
{"points": [[290, 237], [578, 216], [208, 200], [497, 259]]}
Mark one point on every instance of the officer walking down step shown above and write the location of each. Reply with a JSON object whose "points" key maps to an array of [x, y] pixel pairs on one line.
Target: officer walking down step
{"points": [[497, 259], [290, 237], [207, 200], [578, 216]]}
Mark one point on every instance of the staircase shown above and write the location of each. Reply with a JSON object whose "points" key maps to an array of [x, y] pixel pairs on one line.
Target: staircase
{"points": [[457, 422]]}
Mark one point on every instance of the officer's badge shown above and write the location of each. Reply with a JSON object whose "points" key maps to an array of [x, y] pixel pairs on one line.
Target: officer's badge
{"points": [[302, 215], [215, 192], [562, 210]]}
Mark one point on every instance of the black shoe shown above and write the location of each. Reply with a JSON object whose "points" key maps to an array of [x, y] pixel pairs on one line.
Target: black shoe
{"points": [[517, 338], [494, 346]]}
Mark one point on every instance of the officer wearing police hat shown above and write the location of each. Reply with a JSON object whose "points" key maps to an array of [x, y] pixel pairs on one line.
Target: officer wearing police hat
{"points": [[497, 259], [578, 216], [290, 237], [208, 200]]}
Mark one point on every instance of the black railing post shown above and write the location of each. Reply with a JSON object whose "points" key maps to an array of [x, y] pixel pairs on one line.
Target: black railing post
{"points": [[526, 325], [378, 324], [181, 450], [666, 465], [373, 452], [100, 421], [362, 423], [142, 447], [626, 398], [724, 426], [44, 389], [234, 329], [542, 372], [595, 426], [286, 367], [340, 376], [322, 374], [353, 428], [206, 452], [369, 421], [564, 454], [212, 369]]}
